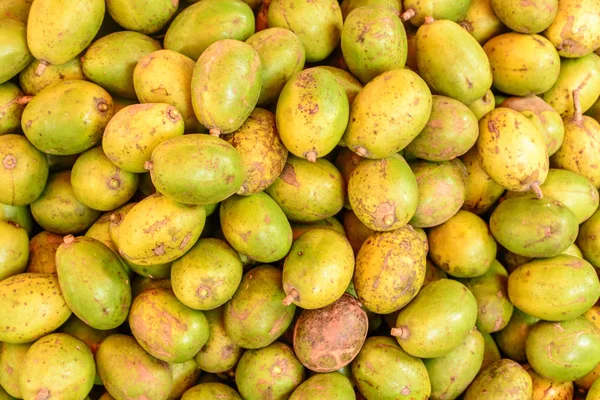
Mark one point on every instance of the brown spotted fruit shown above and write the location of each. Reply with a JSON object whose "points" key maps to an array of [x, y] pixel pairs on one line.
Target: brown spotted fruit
{"points": [[481, 192], [530, 16], [332, 385], [502, 380]]}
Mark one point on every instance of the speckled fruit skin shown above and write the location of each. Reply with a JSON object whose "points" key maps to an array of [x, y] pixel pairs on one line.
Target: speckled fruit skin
{"points": [[481, 192], [11, 108], [481, 21], [32, 84], [325, 386], [11, 363], [142, 16], [220, 353], [512, 338], [438, 9], [504, 379], [544, 387], [14, 250], [526, 17], [42, 252], [215, 390]]}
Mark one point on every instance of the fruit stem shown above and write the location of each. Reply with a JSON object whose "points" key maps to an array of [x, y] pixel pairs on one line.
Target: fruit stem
{"points": [[408, 14], [311, 156], [148, 165], [361, 151], [577, 114], [216, 132], [535, 187], [429, 20], [22, 100], [467, 26], [39, 71], [68, 239], [242, 190], [400, 332], [290, 298]]}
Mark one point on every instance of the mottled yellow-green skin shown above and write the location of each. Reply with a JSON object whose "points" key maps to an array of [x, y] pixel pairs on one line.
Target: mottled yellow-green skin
{"points": [[141, 283], [491, 353], [111, 60], [57, 352], [554, 289], [208, 275], [282, 55], [165, 76], [481, 192], [184, 376], [226, 84], [31, 306], [61, 29], [220, 353], [348, 6], [438, 9], [594, 110], [20, 215], [579, 151], [534, 71], [594, 392], [15, 55], [483, 105], [581, 74], [564, 351], [42, 251], [381, 364], [574, 31], [481, 21], [208, 390], [256, 227], [147, 376], [14, 250], [11, 362], [312, 113], [451, 374], [206, 22], [261, 150], [385, 116], [135, 131], [512, 338], [10, 109], [588, 240], [544, 388], [142, 16], [331, 385], [318, 24], [463, 246], [502, 380], [346, 80], [452, 62], [255, 317], [16, 9], [32, 84], [272, 372], [146, 235], [512, 150], [526, 16], [329, 223], [23, 171]]}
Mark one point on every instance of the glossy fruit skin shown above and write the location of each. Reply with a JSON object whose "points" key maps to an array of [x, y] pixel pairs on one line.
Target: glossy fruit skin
{"points": [[492, 382], [142, 16], [530, 17], [16, 54], [220, 353]]}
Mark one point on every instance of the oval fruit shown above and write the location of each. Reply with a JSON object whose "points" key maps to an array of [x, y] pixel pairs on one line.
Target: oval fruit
{"points": [[504, 379]]}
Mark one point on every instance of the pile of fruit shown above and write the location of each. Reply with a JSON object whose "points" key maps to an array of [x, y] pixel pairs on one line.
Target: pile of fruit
{"points": [[299, 199]]}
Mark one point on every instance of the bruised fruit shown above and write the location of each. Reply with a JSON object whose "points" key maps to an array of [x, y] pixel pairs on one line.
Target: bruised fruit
{"points": [[554, 289], [511, 339], [544, 388], [16, 9], [380, 358], [483, 105], [502, 380], [140, 15], [481, 192], [312, 113], [226, 83], [32, 83], [526, 16], [481, 21], [329, 338], [11, 363], [15, 55], [42, 252], [255, 317], [332, 385], [20, 215]]}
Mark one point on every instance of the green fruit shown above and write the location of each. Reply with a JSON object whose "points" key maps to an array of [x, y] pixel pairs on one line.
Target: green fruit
{"points": [[329, 338], [58, 163], [574, 30], [543, 387], [93, 282], [484, 104], [318, 24], [463, 246], [220, 353], [325, 386], [208, 275], [588, 240], [491, 353], [99, 184], [390, 269], [383, 193], [256, 227], [16, 9], [437, 320], [110, 60], [547, 120], [100, 230], [451, 131], [92, 337], [156, 311], [184, 377], [23, 172], [42, 252], [214, 174], [12, 104], [260, 148], [373, 41], [165, 76], [57, 209], [348, 6], [135, 131], [346, 80], [433, 273], [68, 117], [14, 249], [441, 191], [225, 65], [594, 392], [574, 191], [563, 351], [308, 191], [385, 117], [58, 30], [451, 374], [417, 11], [141, 283], [494, 309], [140, 15], [206, 22], [282, 55], [382, 370], [11, 365], [32, 83], [533, 227], [574, 251], [31, 306], [512, 338], [504, 379], [329, 223], [581, 74], [526, 17], [272, 372], [512, 150], [312, 113], [15, 54], [255, 317], [146, 377], [481, 192], [158, 230], [534, 72], [211, 390], [452, 62], [554, 289], [57, 352], [481, 21]]}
